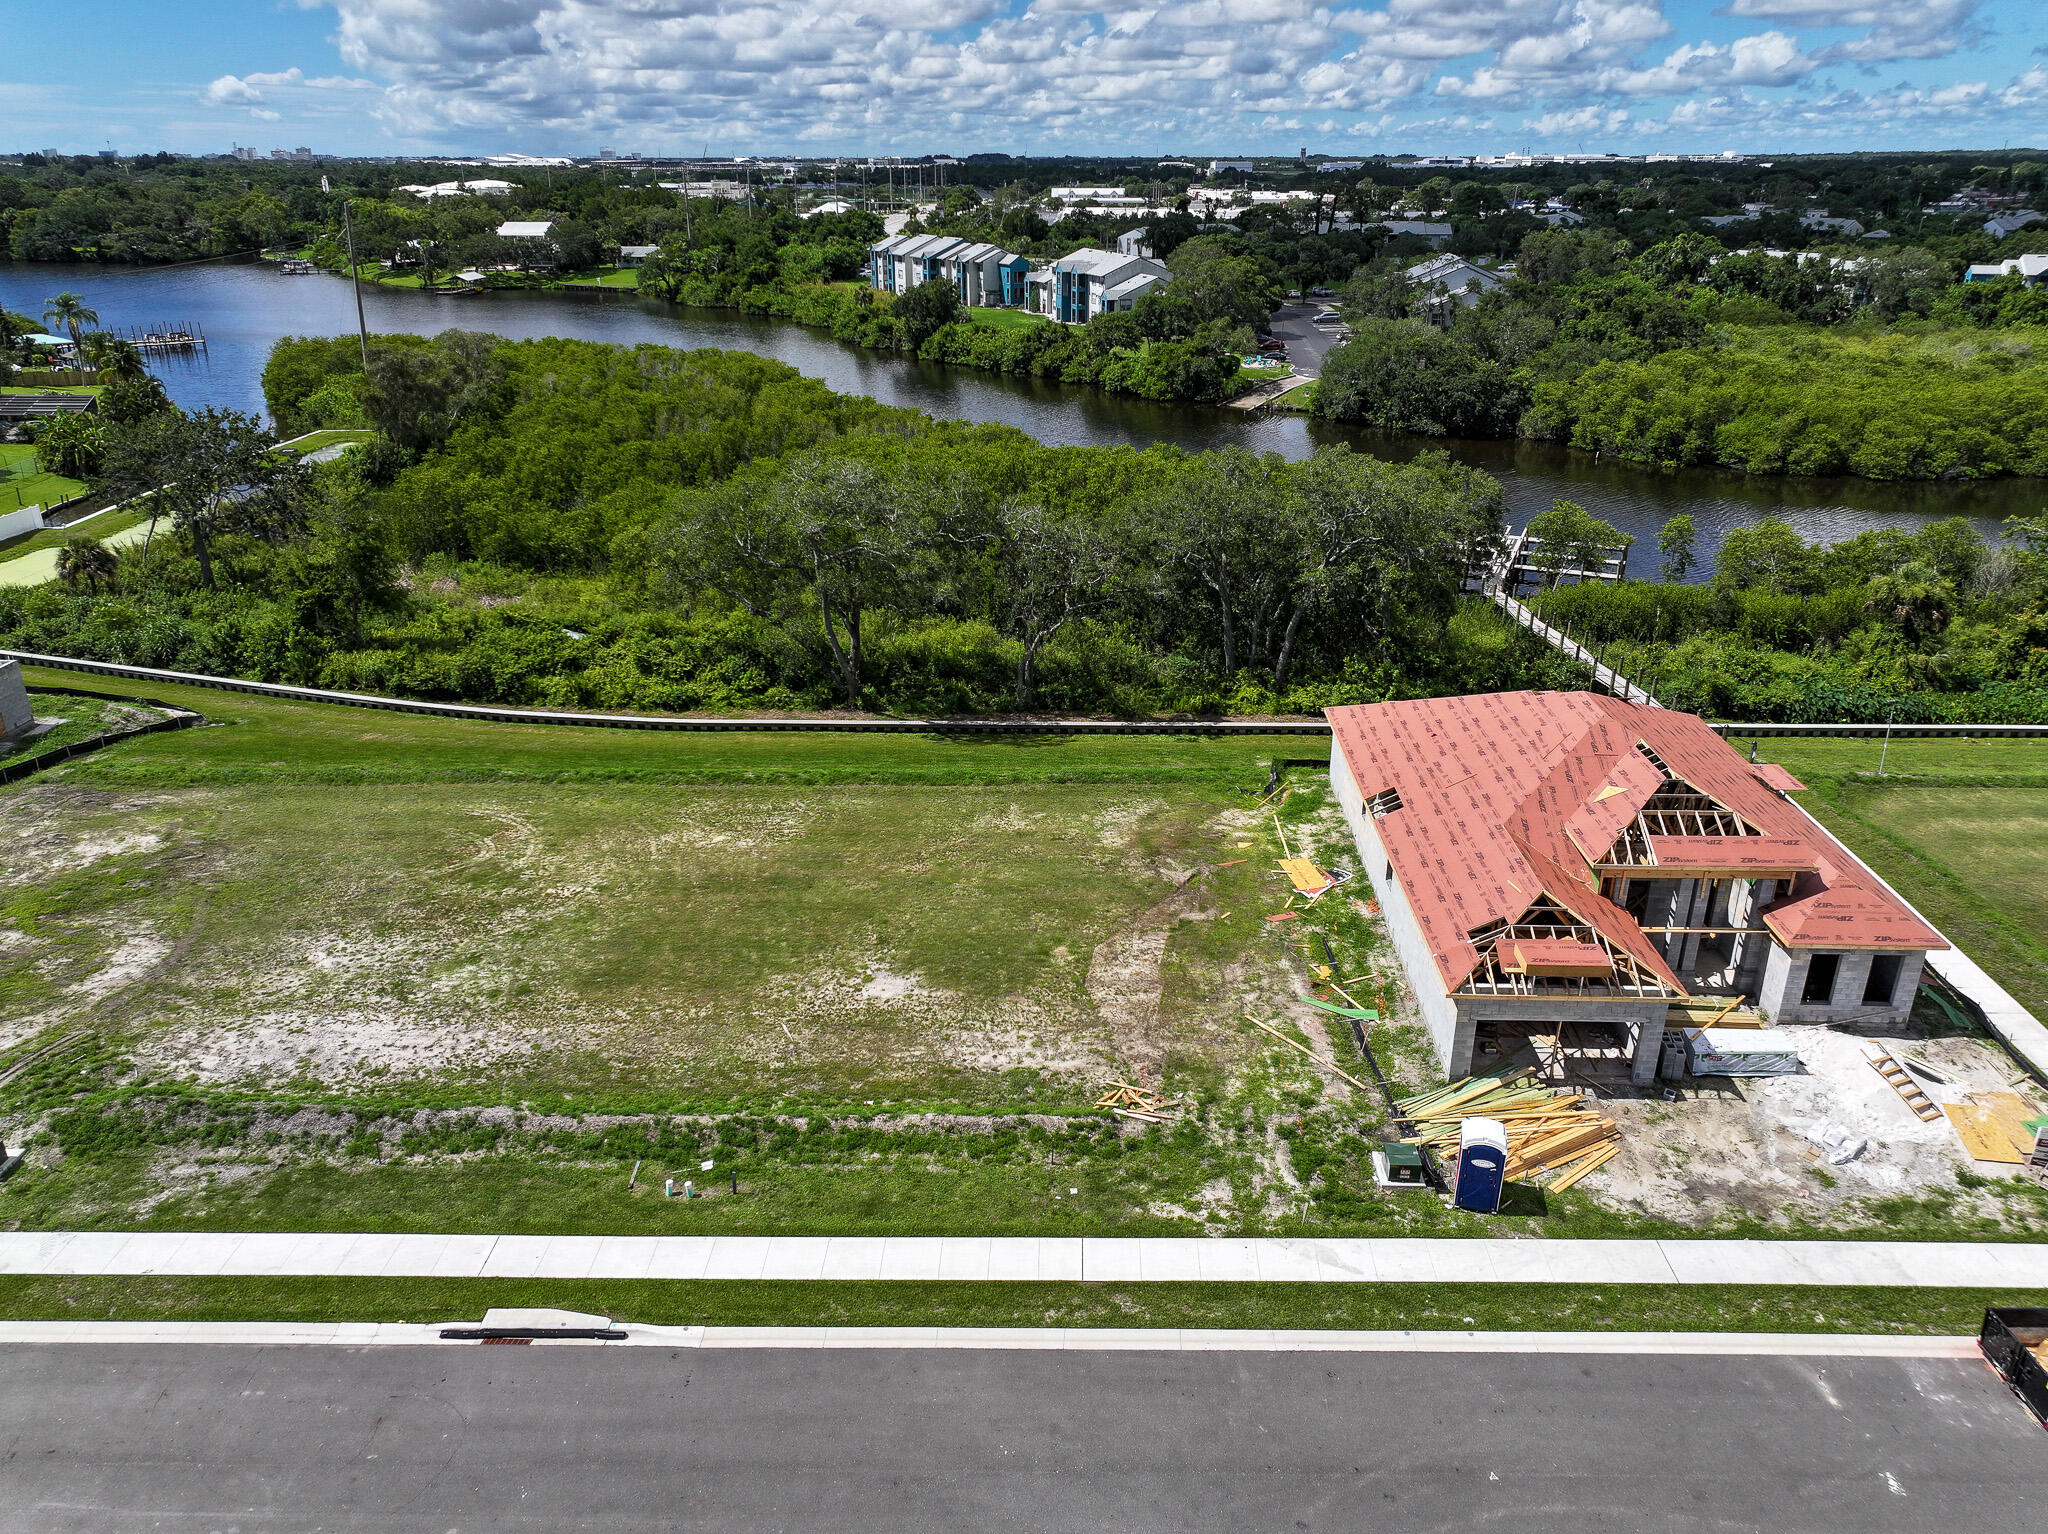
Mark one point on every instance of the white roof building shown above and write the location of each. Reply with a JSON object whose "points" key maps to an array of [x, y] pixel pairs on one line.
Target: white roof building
{"points": [[2010, 223], [2030, 269], [1452, 277], [525, 229]]}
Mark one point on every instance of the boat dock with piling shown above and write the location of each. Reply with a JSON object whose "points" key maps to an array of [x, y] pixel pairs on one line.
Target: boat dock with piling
{"points": [[185, 337]]}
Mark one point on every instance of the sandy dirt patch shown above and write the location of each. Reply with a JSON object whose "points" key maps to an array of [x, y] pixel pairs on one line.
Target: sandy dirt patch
{"points": [[1746, 1145], [338, 1048]]}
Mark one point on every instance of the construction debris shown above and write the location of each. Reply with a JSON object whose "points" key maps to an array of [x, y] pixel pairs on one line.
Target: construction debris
{"points": [[1304, 1049], [1838, 1143], [1908, 1089], [1305, 876], [1547, 1131], [1132, 1102]]}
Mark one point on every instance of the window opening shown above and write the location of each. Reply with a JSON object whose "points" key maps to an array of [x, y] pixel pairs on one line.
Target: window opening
{"points": [[1884, 980], [1819, 989]]}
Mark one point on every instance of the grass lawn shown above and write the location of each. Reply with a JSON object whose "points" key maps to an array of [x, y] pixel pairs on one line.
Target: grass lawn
{"points": [[83, 718], [741, 1302], [1251, 378], [23, 484], [50, 388], [1005, 319], [101, 527], [314, 441], [606, 277]]}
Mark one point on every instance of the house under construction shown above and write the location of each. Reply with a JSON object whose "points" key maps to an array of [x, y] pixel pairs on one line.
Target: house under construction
{"points": [[1563, 867]]}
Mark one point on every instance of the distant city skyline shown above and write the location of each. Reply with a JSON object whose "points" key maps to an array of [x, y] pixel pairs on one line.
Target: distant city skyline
{"points": [[1049, 77]]}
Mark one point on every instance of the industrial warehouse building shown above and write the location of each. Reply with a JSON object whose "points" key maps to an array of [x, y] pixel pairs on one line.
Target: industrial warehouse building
{"points": [[1566, 866]]}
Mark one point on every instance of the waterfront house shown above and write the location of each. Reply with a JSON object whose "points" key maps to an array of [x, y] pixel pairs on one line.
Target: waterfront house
{"points": [[1569, 865]]}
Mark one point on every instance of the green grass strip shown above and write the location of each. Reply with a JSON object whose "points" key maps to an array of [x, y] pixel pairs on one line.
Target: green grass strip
{"points": [[738, 1302]]}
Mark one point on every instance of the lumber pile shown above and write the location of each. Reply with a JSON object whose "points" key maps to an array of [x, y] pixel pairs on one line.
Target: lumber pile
{"points": [[1712, 1012], [1132, 1102], [1548, 1132]]}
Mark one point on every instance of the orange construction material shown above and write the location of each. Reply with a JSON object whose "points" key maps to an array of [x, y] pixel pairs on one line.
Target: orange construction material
{"points": [[1555, 958]]}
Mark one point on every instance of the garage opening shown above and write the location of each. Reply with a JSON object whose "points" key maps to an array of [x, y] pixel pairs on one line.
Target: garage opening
{"points": [[1584, 1054]]}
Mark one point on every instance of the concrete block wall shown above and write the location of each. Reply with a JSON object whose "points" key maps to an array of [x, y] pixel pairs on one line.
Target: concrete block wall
{"points": [[1785, 980], [1450, 1033], [1639, 1020]]}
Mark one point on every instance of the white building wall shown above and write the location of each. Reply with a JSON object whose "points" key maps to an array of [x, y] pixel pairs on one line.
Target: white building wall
{"points": [[1451, 1034]]}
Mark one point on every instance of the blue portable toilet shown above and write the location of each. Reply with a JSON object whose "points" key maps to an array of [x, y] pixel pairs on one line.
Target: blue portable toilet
{"points": [[1482, 1165]]}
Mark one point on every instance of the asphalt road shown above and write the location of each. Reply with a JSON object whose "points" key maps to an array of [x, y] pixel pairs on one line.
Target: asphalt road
{"points": [[237, 1440]]}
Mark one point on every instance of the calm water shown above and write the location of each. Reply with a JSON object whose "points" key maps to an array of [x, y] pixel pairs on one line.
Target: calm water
{"points": [[242, 308]]}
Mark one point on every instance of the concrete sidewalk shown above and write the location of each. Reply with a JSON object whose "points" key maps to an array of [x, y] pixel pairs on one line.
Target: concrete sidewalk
{"points": [[1048, 1339], [1089, 1259]]}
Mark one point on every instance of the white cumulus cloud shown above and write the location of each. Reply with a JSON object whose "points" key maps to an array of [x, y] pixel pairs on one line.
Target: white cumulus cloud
{"points": [[1054, 75]]}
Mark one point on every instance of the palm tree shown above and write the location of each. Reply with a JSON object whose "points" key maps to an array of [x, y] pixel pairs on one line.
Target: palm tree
{"points": [[69, 310], [84, 561], [111, 354]]}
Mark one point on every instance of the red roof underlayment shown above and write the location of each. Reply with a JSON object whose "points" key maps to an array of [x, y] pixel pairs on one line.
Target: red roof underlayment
{"points": [[1506, 797]]}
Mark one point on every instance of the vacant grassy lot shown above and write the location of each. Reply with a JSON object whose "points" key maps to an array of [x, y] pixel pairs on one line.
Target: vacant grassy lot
{"points": [[1973, 859], [729, 942], [325, 968]]}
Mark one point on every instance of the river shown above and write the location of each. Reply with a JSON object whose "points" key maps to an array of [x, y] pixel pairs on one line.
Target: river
{"points": [[243, 307]]}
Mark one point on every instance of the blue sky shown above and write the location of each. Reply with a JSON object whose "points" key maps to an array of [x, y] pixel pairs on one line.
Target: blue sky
{"points": [[1025, 76]]}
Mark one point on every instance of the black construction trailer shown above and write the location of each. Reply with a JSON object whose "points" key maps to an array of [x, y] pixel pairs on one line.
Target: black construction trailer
{"points": [[2014, 1339]]}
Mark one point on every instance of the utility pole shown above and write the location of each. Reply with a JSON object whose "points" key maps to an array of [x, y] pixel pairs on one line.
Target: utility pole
{"points": [[355, 281]]}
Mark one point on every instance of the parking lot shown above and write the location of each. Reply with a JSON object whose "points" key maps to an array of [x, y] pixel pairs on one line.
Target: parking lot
{"points": [[1307, 343]]}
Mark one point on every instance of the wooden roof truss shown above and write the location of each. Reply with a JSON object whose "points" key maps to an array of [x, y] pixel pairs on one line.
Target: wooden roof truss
{"points": [[1546, 919], [1676, 809]]}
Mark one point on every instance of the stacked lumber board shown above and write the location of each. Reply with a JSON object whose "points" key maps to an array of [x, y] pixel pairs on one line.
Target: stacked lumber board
{"points": [[1133, 1102], [1712, 1012], [1547, 1131]]}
